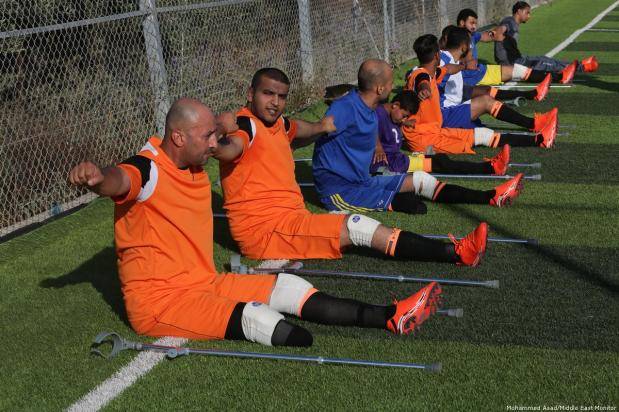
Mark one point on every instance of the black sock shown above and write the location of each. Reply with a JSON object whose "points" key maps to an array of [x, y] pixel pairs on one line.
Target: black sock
{"points": [[512, 94], [234, 330], [408, 202], [556, 76], [459, 194], [441, 163], [537, 76], [287, 334], [416, 247], [516, 139], [509, 115], [329, 310]]}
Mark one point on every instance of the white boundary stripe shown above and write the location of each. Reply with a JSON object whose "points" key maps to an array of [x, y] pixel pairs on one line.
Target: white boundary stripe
{"points": [[578, 32], [121, 380], [138, 367], [604, 30]]}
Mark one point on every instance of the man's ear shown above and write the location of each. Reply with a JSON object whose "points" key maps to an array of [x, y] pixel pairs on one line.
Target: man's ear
{"points": [[178, 138], [250, 94]]}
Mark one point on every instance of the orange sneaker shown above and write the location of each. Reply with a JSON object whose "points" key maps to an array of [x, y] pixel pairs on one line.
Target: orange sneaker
{"points": [[549, 133], [542, 88], [590, 64], [500, 162], [472, 247], [507, 192], [543, 119], [411, 312], [568, 73]]}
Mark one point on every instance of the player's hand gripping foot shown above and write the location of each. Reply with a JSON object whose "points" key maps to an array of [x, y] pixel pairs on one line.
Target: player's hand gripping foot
{"points": [[568, 73], [542, 88], [500, 162], [544, 119], [411, 312], [471, 248], [508, 191], [590, 64]]}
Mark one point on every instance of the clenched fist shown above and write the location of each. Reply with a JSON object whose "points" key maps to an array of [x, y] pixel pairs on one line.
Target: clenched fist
{"points": [[86, 174]]}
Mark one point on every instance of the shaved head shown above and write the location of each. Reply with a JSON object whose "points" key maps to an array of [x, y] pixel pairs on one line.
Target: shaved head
{"points": [[372, 73], [185, 113]]}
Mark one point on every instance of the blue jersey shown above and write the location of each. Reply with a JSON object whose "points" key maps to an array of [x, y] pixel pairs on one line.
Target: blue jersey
{"points": [[472, 77], [475, 38], [344, 157]]}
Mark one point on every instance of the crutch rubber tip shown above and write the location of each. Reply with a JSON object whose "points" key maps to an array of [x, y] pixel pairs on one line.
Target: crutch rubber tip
{"points": [[536, 177], [295, 265], [494, 284], [434, 367], [536, 165], [534, 242], [457, 313]]}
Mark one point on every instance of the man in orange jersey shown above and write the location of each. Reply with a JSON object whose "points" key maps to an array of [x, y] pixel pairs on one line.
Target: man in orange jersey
{"points": [[429, 129], [163, 231], [264, 205]]}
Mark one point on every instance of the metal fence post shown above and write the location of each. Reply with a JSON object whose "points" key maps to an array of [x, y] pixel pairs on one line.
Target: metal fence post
{"points": [[481, 12], [156, 63], [386, 30], [305, 33]]}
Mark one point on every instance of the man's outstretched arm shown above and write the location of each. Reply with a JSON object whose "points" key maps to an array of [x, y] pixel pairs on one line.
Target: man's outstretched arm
{"points": [[308, 132], [111, 181]]}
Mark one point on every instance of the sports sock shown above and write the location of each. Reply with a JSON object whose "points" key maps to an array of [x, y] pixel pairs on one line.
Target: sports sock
{"points": [[441, 163], [537, 76], [513, 94], [330, 310], [411, 246], [287, 334], [502, 112], [408, 202], [515, 139], [459, 194]]}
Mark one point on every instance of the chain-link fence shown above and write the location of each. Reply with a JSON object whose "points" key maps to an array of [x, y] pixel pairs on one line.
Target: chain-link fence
{"points": [[93, 79]]}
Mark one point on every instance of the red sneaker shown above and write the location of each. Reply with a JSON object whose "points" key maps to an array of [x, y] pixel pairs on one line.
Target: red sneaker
{"points": [[568, 73], [590, 64], [543, 119], [472, 247], [549, 133], [411, 312], [500, 162], [508, 191], [542, 88]]}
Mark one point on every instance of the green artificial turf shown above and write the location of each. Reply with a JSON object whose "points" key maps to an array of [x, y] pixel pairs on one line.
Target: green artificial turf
{"points": [[549, 336]]}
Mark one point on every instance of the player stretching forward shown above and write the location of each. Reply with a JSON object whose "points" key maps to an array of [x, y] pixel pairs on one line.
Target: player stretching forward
{"points": [[163, 233], [263, 201], [389, 156], [429, 130], [506, 51]]}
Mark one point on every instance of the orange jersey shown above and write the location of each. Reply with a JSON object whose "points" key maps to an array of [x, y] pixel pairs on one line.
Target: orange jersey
{"points": [[260, 184], [163, 231], [429, 116]]}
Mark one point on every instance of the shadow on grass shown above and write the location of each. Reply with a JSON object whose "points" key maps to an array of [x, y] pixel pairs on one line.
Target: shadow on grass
{"points": [[101, 272]]}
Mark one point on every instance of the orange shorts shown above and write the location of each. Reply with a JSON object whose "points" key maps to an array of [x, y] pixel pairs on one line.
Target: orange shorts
{"points": [[452, 141], [199, 312], [298, 234]]}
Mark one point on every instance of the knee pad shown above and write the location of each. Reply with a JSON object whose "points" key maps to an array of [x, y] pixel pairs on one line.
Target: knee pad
{"points": [[519, 72], [361, 229], [424, 184], [290, 293], [483, 136], [258, 322]]}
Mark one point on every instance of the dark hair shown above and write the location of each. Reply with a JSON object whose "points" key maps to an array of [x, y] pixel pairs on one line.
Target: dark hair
{"points": [[426, 47], [408, 100], [465, 14], [519, 6], [270, 72], [442, 43], [456, 37]]}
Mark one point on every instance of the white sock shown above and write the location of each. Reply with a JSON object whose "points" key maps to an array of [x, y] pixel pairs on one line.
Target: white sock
{"points": [[520, 72], [483, 136]]}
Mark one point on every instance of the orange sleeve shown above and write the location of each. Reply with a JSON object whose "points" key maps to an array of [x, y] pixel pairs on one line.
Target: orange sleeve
{"points": [[441, 72], [135, 178], [291, 128]]}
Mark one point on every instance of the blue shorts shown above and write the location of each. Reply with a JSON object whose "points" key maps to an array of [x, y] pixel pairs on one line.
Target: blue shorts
{"points": [[472, 77], [458, 117], [377, 194]]}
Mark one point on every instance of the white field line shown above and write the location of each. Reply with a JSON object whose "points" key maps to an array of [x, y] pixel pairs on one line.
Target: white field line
{"points": [[138, 367], [578, 32]]}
